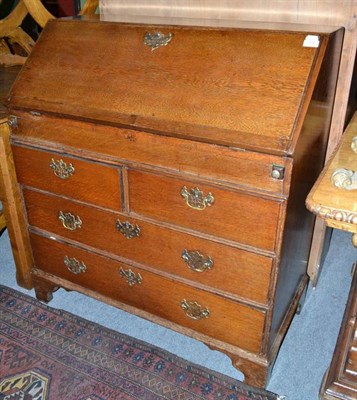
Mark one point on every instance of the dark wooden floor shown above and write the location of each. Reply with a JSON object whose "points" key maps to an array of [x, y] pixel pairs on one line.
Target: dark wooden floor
{"points": [[7, 77]]}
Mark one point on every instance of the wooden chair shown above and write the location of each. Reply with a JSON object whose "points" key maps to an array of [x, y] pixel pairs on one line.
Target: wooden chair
{"points": [[2, 222], [11, 31]]}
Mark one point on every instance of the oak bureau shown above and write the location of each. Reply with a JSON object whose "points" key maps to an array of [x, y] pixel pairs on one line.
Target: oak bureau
{"points": [[163, 169]]}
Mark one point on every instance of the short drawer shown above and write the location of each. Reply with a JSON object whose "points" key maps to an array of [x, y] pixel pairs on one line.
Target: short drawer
{"points": [[203, 312], [83, 180], [231, 215], [208, 263]]}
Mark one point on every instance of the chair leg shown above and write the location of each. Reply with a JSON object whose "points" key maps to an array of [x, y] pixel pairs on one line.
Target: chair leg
{"points": [[2, 222]]}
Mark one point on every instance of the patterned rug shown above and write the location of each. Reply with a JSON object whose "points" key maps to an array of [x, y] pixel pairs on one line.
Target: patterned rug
{"points": [[48, 354]]}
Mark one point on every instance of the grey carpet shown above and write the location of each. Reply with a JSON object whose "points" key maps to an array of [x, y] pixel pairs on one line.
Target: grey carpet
{"points": [[306, 351]]}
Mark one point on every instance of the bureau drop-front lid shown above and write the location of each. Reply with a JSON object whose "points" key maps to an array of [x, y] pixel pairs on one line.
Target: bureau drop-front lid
{"points": [[241, 88]]}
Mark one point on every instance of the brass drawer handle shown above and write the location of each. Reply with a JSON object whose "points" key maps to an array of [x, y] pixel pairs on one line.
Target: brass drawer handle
{"points": [[69, 221], [61, 169], [74, 266], [196, 261], [127, 229], [131, 277], [194, 310], [157, 39], [344, 179], [195, 199]]}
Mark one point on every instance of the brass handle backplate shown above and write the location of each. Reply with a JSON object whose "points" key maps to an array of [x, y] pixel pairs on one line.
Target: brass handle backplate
{"points": [[69, 221], [131, 277], [61, 169], [127, 229], [195, 198], [74, 266], [196, 261], [157, 39], [194, 310]]}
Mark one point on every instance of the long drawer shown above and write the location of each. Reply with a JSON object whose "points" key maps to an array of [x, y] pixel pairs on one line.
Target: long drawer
{"points": [[206, 262], [231, 215], [203, 312], [83, 180]]}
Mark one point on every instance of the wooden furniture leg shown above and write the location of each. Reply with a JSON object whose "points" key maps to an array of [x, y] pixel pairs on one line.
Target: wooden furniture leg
{"points": [[2, 221], [320, 244], [43, 289], [255, 374], [13, 209]]}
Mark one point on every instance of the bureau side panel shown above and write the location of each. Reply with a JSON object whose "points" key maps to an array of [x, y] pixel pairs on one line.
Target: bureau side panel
{"points": [[15, 218], [308, 161]]}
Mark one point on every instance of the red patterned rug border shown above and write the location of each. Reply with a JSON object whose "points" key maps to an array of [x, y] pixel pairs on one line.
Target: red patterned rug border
{"points": [[9, 297]]}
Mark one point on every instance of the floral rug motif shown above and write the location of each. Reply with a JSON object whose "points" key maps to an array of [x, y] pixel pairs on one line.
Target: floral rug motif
{"points": [[48, 354]]}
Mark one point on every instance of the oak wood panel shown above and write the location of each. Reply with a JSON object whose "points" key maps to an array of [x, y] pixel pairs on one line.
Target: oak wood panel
{"points": [[7, 77], [250, 218], [234, 271], [253, 366], [268, 14], [236, 216], [13, 208], [248, 169], [309, 159], [241, 73], [228, 321], [90, 182]]}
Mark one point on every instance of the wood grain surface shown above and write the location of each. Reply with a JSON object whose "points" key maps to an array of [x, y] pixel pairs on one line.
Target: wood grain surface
{"points": [[266, 14], [13, 208], [248, 220], [231, 83], [169, 120], [157, 247], [228, 321], [230, 166], [90, 182]]}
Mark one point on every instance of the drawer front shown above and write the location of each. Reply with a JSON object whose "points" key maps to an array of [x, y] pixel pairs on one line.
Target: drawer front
{"points": [[242, 218], [217, 317], [86, 181], [218, 266]]}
